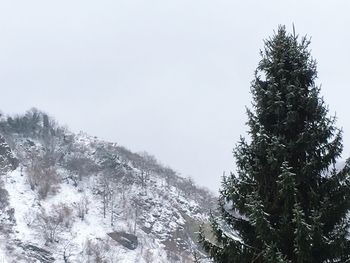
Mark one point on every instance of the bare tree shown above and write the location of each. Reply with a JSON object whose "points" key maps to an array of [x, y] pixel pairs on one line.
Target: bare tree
{"points": [[169, 175], [50, 225], [196, 257], [135, 204], [106, 192], [113, 197], [80, 165], [41, 175], [96, 250], [82, 206], [53, 223], [68, 251]]}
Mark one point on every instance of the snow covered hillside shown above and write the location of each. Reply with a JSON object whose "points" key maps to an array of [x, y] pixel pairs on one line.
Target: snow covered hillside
{"points": [[68, 197]]}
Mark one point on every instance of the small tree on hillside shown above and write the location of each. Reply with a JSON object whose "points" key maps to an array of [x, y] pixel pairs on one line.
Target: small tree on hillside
{"points": [[287, 202]]}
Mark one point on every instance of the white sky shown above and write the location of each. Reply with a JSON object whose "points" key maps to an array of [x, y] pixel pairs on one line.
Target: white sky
{"points": [[171, 77]]}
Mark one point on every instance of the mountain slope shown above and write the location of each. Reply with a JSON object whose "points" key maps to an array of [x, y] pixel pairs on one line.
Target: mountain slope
{"points": [[75, 198]]}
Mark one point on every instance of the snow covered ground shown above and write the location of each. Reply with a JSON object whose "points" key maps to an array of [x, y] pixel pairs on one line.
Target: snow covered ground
{"points": [[94, 227], [3, 256], [149, 214], [163, 218]]}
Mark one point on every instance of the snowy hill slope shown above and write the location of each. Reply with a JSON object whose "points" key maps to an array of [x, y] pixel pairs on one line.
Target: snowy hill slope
{"points": [[76, 198]]}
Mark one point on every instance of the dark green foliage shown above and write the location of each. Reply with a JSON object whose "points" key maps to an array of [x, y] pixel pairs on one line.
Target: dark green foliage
{"points": [[287, 202], [33, 123]]}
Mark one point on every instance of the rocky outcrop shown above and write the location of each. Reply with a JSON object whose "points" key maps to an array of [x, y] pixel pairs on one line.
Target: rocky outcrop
{"points": [[125, 239], [7, 160], [40, 254]]}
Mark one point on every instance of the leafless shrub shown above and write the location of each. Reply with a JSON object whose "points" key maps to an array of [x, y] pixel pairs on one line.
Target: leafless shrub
{"points": [[65, 213], [68, 251], [50, 225], [43, 178], [53, 223], [80, 165], [96, 250], [82, 206], [196, 257], [148, 256], [48, 184]]}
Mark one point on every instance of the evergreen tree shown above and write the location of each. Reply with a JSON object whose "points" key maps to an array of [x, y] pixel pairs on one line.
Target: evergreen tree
{"points": [[287, 202]]}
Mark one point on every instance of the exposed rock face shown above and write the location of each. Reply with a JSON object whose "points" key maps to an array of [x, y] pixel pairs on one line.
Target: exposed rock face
{"points": [[125, 239], [7, 163], [40, 254], [7, 160]]}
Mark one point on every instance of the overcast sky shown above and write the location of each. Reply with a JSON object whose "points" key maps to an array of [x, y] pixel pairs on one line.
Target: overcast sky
{"points": [[171, 77]]}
